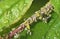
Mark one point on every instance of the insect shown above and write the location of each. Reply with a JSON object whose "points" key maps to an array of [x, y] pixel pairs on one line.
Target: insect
{"points": [[19, 29], [43, 14]]}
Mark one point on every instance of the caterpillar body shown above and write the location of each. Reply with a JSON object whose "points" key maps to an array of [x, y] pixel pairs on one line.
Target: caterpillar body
{"points": [[43, 14]]}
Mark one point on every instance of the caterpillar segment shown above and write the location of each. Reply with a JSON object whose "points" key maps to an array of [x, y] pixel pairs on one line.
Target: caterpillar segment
{"points": [[46, 12], [16, 31], [43, 14], [27, 24], [34, 18]]}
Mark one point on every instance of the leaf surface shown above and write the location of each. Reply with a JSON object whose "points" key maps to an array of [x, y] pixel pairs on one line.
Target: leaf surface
{"points": [[12, 10]]}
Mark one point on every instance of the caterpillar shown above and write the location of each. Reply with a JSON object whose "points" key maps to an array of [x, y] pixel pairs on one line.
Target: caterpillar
{"points": [[43, 14]]}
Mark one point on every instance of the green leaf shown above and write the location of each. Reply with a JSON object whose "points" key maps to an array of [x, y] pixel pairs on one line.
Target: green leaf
{"points": [[54, 31], [56, 4], [12, 10]]}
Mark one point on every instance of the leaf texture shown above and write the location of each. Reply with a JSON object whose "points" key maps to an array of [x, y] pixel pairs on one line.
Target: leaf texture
{"points": [[12, 10]]}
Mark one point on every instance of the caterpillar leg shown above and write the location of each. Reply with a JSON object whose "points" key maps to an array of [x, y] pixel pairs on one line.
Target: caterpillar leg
{"points": [[46, 19], [29, 32], [16, 36], [27, 28]]}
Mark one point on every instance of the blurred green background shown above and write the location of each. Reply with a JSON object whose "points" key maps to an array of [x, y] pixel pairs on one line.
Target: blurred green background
{"points": [[40, 30]]}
